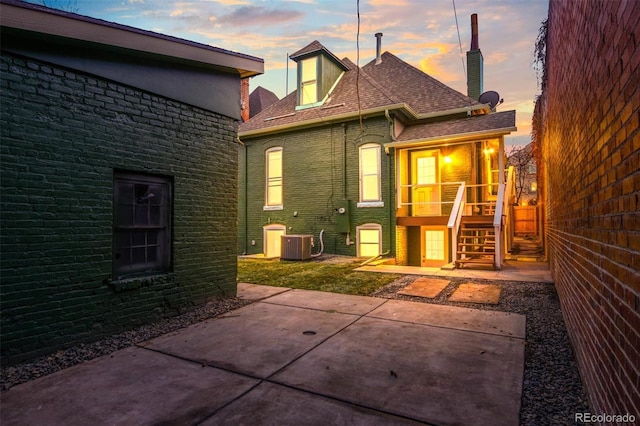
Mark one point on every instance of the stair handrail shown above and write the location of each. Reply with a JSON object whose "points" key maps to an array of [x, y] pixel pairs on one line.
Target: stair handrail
{"points": [[497, 225], [508, 208], [455, 218]]}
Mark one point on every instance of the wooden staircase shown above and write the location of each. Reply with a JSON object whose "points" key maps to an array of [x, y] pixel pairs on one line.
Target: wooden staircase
{"points": [[476, 242]]}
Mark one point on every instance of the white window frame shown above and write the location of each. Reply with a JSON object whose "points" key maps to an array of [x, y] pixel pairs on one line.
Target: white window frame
{"points": [[309, 82], [368, 227], [142, 242], [363, 201], [271, 182]]}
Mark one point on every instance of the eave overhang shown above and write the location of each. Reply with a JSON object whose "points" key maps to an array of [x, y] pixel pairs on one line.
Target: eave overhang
{"points": [[401, 110], [452, 138], [47, 22]]}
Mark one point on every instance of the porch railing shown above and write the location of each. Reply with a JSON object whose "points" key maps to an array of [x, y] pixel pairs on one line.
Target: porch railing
{"points": [[454, 220], [502, 219], [406, 190]]}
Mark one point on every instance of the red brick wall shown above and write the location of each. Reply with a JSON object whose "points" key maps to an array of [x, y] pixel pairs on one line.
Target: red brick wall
{"points": [[588, 137], [244, 99]]}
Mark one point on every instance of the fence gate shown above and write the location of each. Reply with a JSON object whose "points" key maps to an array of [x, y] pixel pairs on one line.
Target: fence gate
{"points": [[525, 220]]}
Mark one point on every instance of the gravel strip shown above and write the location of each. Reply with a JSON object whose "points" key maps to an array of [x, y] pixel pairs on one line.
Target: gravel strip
{"points": [[39, 367], [552, 390]]}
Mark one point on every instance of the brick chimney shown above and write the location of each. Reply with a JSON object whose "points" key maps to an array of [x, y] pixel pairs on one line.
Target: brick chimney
{"points": [[244, 99], [475, 63]]}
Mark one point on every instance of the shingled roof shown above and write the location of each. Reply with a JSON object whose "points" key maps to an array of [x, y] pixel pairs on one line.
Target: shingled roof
{"points": [[497, 123], [392, 85], [260, 99]]}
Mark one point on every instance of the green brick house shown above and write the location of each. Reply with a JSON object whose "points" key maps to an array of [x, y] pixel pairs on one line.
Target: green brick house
{"points": [[118, 176], [378, 161]]}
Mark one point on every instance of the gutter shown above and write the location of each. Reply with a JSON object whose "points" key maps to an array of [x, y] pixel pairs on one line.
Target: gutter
{"points": [[409, 112], [326, 120], [467, 109], [458, 137]]}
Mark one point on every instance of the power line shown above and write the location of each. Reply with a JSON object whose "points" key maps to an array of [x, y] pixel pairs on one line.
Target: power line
{"points": [[464, 69], [358, 67]]}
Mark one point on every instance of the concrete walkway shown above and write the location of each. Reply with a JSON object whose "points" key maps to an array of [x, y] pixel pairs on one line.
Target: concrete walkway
{"points": [[511, 271], [296, 357]]}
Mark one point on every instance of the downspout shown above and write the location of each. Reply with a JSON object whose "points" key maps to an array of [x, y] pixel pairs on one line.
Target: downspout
{"points": [[390, 179], [246, 197], [391, 127], [344, 175], [344, 161]]}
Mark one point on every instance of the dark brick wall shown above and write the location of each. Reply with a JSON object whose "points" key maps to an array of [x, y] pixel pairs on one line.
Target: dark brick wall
{"points": [[63, 134], [313, 185], [587, 133]]}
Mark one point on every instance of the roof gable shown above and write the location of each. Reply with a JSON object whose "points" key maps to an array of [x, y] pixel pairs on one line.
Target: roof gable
{"points": [[313, 48]]}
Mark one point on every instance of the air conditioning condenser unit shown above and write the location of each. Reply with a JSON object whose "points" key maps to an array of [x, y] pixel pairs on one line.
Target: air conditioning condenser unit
{"points": [[296, 247]]}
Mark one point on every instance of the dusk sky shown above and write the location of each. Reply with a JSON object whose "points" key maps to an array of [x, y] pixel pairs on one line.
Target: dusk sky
{"points": [[421, 32]]}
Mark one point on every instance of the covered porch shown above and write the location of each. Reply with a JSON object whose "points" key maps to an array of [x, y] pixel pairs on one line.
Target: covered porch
{"points": [[453, 201]]}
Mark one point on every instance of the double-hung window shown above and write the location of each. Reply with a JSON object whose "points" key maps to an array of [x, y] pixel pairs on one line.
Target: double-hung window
{"points": [[370, 187], [142, 225], [309, 81], [273, 190]]}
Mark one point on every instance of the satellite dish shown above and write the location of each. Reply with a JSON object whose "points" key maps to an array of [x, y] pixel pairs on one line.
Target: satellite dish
{"points": [[492, 98]]}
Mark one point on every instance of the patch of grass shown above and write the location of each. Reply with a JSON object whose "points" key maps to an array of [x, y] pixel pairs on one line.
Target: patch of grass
{"points": [[312, 275]]}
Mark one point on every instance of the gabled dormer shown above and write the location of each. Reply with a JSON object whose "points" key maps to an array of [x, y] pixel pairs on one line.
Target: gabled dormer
{"points": [[318, 72]]}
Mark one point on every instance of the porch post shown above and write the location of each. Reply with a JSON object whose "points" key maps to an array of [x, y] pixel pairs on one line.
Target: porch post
{"points": [[501, 154]]}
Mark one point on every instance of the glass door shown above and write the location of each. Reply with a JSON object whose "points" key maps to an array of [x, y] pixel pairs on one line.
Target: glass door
{"points": [[425, 188]]}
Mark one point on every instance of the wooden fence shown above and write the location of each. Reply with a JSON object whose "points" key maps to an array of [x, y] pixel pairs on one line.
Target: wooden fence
{"points": [[525, 220]]}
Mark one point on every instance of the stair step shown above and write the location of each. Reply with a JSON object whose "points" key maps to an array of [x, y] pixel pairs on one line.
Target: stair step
{"points": [[478, 237], [478, 261], [491, 248], [473, 253]]}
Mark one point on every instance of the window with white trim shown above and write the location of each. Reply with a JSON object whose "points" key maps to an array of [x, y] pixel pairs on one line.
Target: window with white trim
{"points": [[434, 244], [369, 240], [309, 81], [273, 179], [142, 224], [370, 182]]}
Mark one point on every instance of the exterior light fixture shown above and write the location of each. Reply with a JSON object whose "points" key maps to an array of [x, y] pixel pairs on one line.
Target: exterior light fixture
{"points": [[534, 186], [489, 151], [447, 159]]}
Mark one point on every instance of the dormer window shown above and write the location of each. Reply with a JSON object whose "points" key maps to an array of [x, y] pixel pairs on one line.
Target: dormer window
{"points": [[309, 81], [318, 73]]}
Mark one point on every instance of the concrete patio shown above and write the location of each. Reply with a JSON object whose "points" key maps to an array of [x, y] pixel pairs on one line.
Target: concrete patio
{"points": [[511, 271], [298, 357]]}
